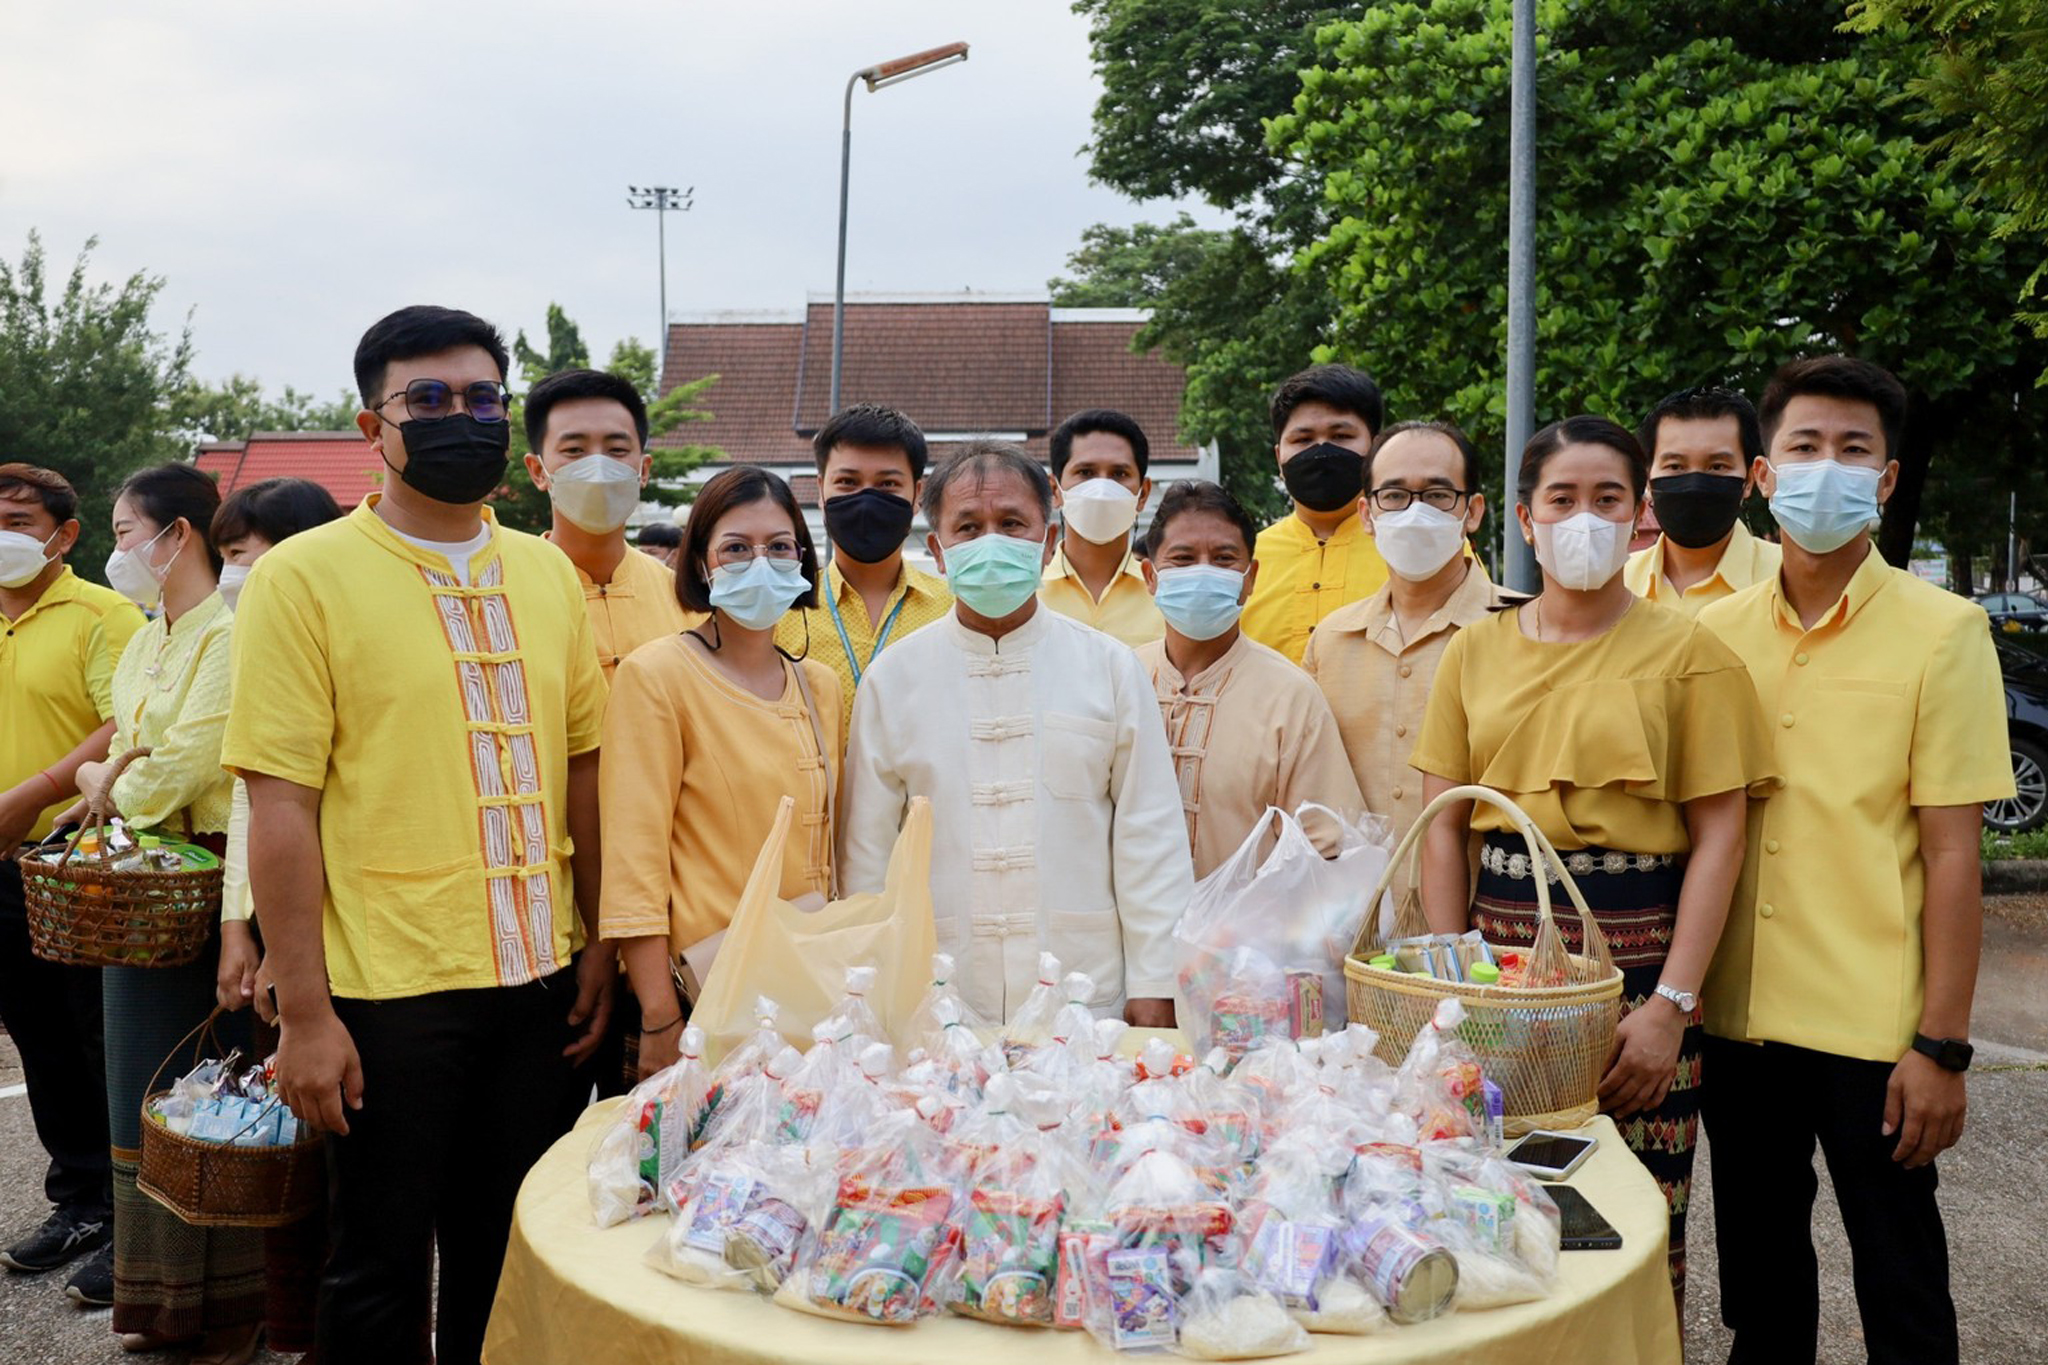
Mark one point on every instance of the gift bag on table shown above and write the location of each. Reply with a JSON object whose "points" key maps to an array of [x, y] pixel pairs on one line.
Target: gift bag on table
{"points": [[798, 958], [1261, 948]]}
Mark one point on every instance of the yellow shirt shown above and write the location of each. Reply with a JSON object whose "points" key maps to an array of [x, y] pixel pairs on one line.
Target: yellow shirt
{"points": [[1248, 732], [1893, 701], [1744, 560], [917, 600], [1302, 580], [57, 679], [1126, 611], [698, 768], [1602, 740], [437, 722], [1378, 687], [171, 695], [638, 604]]}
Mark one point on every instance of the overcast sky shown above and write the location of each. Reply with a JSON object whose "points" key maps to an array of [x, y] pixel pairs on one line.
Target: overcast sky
{"points": [[295, 171]]}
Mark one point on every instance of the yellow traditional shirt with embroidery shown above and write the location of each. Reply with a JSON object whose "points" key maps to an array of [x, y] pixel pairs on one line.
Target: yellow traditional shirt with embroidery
{"points": [[171, 696], [1892, 702], [917, 600], [436, 720], [1126, 611], [1302, 580], [1745, 560], [57, 679]]}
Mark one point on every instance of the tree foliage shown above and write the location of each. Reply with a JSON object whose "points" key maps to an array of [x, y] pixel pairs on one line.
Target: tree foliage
{"points": [[237, 408], [526, 507], [88, 386]]}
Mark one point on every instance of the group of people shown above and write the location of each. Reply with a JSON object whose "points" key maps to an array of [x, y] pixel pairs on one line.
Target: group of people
{"points": [[461, 776]]}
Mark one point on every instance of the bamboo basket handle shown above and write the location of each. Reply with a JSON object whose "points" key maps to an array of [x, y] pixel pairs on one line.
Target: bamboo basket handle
{"points": [[205, 1024], [1540, 852], [95, 805]]}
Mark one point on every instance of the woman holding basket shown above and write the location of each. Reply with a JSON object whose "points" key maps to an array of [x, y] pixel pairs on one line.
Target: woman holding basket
{"points": [[1632, 737], [169, 1283]]}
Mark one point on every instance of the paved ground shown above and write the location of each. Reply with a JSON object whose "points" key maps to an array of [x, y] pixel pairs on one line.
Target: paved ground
{"points": [[1993, 1194]]}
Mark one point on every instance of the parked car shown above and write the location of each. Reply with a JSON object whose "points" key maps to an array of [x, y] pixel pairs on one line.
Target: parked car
{"points": [[2029, 611], [2026, 720]]}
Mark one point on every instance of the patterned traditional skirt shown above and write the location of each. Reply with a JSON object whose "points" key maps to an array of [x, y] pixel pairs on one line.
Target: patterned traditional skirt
{"points": [[1634, 897]]}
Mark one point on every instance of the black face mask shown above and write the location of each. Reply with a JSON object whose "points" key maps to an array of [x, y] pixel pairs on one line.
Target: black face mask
{"points": [[456, 459], [1324, 477], [869, 525], [1696, 510]]}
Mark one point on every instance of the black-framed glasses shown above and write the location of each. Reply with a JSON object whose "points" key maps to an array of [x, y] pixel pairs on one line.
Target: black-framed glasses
{"points": [[1395, 499], [429, 400]]}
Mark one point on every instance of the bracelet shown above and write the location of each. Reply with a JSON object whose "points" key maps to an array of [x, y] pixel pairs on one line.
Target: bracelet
{"points": [[55, 786], [665, 1027]]}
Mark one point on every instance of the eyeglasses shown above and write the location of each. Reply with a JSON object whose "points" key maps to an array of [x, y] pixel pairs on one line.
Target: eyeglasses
{"points": [[1392, 499], [735, 553], [429, 400]]}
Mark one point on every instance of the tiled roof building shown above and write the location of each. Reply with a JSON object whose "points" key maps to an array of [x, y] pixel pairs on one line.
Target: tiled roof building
{"points": [[342, 462]]}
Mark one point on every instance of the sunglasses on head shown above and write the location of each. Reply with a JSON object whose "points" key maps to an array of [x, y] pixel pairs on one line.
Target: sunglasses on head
{"points": [[429, 400]]}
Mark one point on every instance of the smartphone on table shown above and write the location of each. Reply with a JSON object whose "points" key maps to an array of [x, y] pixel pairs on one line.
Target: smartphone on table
{"points": [[1584, 1228], [1551, 1156]]}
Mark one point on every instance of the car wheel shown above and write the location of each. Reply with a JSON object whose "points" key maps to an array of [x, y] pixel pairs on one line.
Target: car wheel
{"points": [[2028, 807]]}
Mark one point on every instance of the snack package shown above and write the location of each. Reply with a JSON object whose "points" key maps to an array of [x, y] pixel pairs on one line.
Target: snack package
{"points": [[853, 1020], [1162, 1203], [1010, 1220], [747, 1211], [1242, 1001], [1227, 1317], [642, 1149], [1032, 1025], [887, 1239], [1440, 1081]]}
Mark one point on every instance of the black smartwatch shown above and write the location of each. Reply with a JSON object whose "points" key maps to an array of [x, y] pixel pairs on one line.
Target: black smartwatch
{"points": [[1950, 1054]]}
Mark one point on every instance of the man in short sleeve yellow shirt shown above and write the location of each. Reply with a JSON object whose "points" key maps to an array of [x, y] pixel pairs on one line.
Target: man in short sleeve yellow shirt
{"points": [[1702, 444], [1317, 558], [1839, 1002], [417, 712], [60, 637], [1100, 480]]}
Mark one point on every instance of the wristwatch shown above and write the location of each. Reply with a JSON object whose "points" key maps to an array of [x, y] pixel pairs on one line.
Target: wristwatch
{"points": [[1950, 1054], [1686, 1001]]}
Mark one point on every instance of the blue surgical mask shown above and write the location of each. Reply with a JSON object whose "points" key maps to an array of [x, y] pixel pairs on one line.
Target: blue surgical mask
{"points": [[995, 575], [1822, 504], [1201, 600], [757, 593]]}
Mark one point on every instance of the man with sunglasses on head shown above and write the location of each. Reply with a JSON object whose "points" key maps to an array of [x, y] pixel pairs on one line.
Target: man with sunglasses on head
{"points": [[1704, 444], [1375, 659], [417, 710]]}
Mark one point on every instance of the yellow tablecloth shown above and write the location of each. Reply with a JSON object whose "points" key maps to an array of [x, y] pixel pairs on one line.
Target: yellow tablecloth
{"points": [[573, 1293]]}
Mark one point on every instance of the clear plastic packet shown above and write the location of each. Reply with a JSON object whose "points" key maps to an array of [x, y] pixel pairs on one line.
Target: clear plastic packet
{"points": [[826, 1071], [957, 1053], [853, 1020], [1242, 1002], [1009, 1222], [1440, 1082], [644, 1145], [747, 1212], [1293, 1230], [887, 1239], [1032, 1025], [1228, 1109], [1159, 1058], [1225, 1316], [1500, 1224], [750, 1110], [923, 1029], [1072, 1045], [1163, 1225]]}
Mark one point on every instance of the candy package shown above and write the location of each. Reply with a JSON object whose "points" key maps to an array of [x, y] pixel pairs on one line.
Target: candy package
{"points": [[1032, 1024], [642, 1148]]}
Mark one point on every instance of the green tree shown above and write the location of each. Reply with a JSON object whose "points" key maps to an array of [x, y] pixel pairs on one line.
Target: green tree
{"points": [[237, 408], [525, 507], [87, 385], [1708, 207]]}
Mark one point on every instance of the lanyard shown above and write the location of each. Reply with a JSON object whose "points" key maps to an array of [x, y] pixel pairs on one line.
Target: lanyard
{"points": [[881, 636]]}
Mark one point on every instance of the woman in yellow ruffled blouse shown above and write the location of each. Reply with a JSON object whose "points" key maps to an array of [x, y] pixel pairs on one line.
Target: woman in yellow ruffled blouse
{"points": [[171, 1284], [1633, 738]]}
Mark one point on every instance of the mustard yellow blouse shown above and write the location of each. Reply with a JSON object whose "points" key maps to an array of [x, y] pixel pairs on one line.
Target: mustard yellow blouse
{"points": [[1601, 741], [695, 767]]}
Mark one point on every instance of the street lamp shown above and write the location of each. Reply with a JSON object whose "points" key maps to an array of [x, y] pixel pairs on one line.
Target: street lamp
{"points": [[877, 78], [1517, 563], [663, 200]]}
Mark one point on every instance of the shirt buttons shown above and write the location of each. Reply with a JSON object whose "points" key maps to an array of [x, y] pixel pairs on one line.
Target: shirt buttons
{"points": [[1766, 910], [1800, 658], [1400, 731], [1786, 720], [1315, 587], [1406, 670], [1770, 845], [1397, 793]]}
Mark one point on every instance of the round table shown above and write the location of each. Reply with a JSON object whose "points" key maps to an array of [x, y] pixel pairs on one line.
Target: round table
{"points": [[573, 1292]]}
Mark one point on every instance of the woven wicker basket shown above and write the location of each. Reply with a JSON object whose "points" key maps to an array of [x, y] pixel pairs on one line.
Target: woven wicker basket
{"points": [[92, 916], [216, 1184], [1546, 1047]]}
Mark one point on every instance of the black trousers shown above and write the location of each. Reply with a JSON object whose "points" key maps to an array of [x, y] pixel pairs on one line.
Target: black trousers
{"points": [[1765, 1108], [460, 1097], [52, 1013]]}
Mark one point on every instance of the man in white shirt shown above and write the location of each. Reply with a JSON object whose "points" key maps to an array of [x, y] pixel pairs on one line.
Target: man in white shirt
{"points": [[1056, 818]]}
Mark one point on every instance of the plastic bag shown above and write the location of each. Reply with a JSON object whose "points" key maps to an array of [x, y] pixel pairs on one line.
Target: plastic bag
{"points": [[1032, 1024], [1226, 1317], [853, 1019], [748, 1210], [644, 1145], [1440, 1081], [1298, 909], [1501, 1226], [1010, 1219], [923, 1028], [1294, 1233]]}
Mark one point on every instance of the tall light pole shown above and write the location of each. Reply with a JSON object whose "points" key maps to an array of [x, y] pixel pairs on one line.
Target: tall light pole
{"points": [[877, 78], [663, 200], [1518, 565]]}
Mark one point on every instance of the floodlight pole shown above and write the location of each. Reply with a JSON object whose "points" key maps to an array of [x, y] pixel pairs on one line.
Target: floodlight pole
{"points": [[1518, 564], [663, 200]]}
